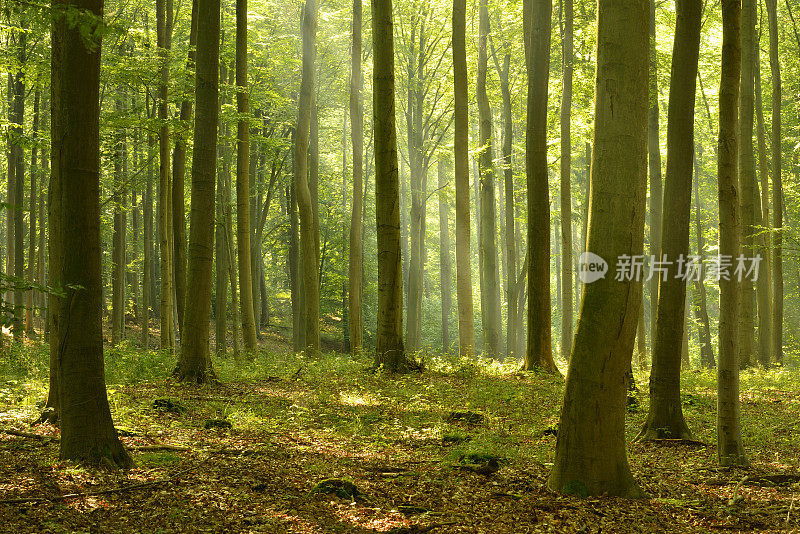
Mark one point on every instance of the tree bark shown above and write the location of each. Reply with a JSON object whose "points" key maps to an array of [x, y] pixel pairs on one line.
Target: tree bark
{"points": [[389, 350], [492, 324], [119, 260], [665, 419], [466, 320], [539, 351], [654, 165], [357, 136], [178, 184], [730, 450], [164, 14], [308, 244], [19, 186], [87, 430], [445, 263], [747, 182], [590, 455], [707, 359], [29, 295], [194, 363], [777, 187], [243, 182], [566, 193]]}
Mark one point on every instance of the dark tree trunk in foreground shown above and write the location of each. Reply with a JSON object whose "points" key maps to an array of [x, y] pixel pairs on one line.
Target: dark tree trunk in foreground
{"points": [[87, 431], [665, 418], [466, 319], [539, 351], [730, 450], [591, 458], [194, 363], [389, 351]]}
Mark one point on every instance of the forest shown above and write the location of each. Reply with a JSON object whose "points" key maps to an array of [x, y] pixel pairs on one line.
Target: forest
{"points": [[415, 266]]}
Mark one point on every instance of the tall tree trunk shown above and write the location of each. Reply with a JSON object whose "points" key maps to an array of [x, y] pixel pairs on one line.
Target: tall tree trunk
{"points": [[19, 186], [357, 136], [730, 450], [445, 263], [294, 271], [566, 193], [707, 359], [654, 165], [308, 244], [466, 319], [243, 181], [747, 182], [87, 430], [178, 184], [665, 418], [492, 323], [10, 187], [119, 261], [194, 363], [389, 351], [590, 453], [764, 284], [539, 351], [147, 245], [777, 187], [164, 14], [29, 305]]}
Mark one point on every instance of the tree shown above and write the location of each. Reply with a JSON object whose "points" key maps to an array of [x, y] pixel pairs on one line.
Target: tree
{"points": [[747, 181], [539, 351], [654, 166], [490, 286], [164, 23], [178, 182], [777, 187], [730, 450], [194, 363], [19, 185], [445, 263], [357, 136], [665, 418], [389, 350], [243, 181], [308, 243], [119, 257], [707, 359], [87, 431], [590, 452], [466, 320], [566, 196]]}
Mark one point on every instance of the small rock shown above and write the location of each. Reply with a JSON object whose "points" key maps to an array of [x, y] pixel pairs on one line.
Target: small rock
{"points": [[217, 423]]}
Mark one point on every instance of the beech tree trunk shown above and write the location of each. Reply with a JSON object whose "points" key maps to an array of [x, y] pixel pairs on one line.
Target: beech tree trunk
{"points": [[747, 183], [308, 241], [777, 187], [178, 184], [566, 192], [19, 186], [665, 418], [119, 259], [466, 320], [87, 430], [357, 136], [590, 455], [707, 359], [490, 286], [29, 295], [389, 350], [654, 165], [539, 351], [164, 14], [194, 363], [445, 263], [730, 450]]}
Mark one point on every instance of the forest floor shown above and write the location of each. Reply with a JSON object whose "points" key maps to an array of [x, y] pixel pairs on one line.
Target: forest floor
{"points": [[465, 446]]}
